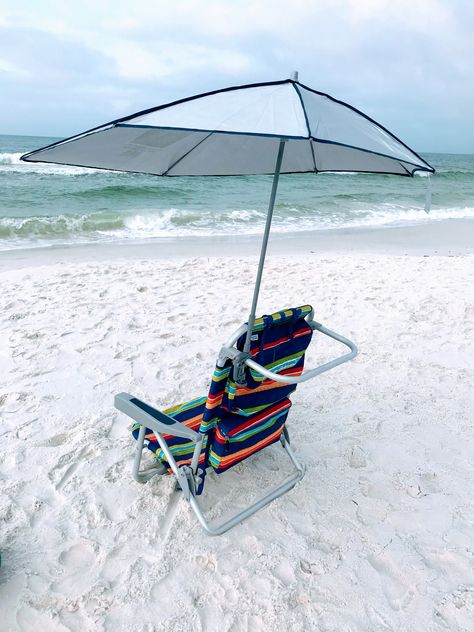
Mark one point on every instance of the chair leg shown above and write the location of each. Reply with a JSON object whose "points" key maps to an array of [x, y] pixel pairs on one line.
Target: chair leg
{"points": [[285, 486], [144, 475]]}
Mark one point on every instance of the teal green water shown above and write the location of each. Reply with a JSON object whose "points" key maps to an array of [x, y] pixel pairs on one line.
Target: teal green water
{"points": [[42, 205]]}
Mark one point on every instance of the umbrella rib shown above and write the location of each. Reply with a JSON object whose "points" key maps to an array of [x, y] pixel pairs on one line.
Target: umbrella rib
{"points": [[64, 141], [213, 131], [165, 173], [312, 153], [375, 153], [351, 107], [307, 125], [330, 142], [201, 95], [403, 167]]}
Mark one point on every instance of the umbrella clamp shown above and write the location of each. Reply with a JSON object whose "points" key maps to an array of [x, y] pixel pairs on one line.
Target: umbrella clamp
{"points": [[239, 368], [238, 359]]}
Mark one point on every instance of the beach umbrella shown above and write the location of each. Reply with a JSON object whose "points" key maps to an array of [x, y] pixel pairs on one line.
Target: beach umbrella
{"points": [[262, 128]]}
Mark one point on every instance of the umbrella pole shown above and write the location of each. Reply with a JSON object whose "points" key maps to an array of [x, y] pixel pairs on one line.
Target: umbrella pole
{"points": [[263, 251]]}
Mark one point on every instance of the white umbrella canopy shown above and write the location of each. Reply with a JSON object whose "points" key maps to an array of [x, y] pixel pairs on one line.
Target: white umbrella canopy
{"points": [[263, 128], [237, 131]]}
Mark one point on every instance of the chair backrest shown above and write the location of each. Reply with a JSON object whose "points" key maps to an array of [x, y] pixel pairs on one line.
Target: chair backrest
{"points": [[279, 342]]}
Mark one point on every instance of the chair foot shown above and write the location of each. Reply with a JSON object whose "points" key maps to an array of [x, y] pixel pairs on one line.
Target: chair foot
{"points": [[147, 474], [285, 486]]}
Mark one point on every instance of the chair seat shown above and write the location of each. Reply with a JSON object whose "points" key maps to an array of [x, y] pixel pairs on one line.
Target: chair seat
{"points": [[233, 440]]}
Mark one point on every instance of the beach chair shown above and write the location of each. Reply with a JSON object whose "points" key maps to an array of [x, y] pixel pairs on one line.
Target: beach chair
{"points": [[245, 411]]}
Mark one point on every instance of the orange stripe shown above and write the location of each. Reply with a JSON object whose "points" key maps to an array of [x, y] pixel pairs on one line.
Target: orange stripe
{"points": [[216, 395], [186, 461], [211, 404], [192, 423], [239, 456], [268, 384], [248, 423], [268, 414]]}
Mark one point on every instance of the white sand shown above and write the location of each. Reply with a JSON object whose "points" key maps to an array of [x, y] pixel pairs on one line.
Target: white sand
{"points": [[377, 536]]}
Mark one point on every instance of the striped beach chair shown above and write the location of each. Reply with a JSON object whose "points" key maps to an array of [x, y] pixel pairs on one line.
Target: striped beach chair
{"points": [[245, 410]]}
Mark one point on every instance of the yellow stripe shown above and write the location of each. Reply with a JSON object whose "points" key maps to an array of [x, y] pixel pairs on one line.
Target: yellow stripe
{"points": [[186, 406]]}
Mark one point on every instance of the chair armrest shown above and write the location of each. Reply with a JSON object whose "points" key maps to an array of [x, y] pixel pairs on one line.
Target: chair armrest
{"points": [[152, 418], [308, 375]]}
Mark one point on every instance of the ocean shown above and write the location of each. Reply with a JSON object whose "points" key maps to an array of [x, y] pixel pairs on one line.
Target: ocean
{"points": [[45, 205]]}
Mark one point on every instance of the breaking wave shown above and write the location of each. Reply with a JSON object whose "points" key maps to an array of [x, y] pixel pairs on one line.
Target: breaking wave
{"points": [[11, 162], [173, 222]]}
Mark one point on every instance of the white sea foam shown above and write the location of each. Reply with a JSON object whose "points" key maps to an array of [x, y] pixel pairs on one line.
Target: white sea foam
{"points": [[12, 162], [174, 222], [10, 158]]}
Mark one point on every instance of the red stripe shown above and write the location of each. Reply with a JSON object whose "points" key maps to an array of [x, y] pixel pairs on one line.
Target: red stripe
{"points": [[216, 395], [243, 454], [267, 383], [275, 343], [260, 417]]}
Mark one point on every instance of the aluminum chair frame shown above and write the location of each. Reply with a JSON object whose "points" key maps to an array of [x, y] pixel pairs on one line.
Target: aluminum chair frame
{"points": [[187, 476]]}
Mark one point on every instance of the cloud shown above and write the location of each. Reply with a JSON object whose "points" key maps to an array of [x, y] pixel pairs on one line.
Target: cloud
{"points": [[138, 63], [38, 57], [398, 61]]}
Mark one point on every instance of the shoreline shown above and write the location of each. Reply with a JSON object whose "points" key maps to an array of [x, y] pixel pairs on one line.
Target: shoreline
{"points": [[444, 238]]}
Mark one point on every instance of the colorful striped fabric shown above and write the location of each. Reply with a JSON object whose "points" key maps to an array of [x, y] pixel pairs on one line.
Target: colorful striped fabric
{"points": [[233, 443], [279, 345], [238, 421]]}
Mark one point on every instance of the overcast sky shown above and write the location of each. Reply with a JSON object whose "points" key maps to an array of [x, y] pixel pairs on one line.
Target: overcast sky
{"points": [[68, 66]]}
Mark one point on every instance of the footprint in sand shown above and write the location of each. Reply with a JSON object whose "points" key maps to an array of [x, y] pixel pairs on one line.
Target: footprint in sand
{"points": [[80, 568], [78, 556], [357, 457], [115, 563], [393, 581], [28, 619], [54, 441], [205, 562], [429, 483], [85, 453], [167, 522]]}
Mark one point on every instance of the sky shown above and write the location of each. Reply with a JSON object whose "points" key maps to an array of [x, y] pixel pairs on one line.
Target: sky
{"points": [[69, 66]]}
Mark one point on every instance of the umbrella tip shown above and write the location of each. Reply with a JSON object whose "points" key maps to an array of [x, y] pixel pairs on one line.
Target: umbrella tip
{"points": [[294, 75]]}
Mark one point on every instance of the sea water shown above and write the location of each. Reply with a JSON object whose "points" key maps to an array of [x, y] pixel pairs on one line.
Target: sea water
{"points": [[44, 205]]}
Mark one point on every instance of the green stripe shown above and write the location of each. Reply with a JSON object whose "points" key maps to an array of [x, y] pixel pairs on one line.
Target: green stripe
{"points": [[220, 374], [185, 449], [246, 412], [278, 316], [296, 356], [208, 425], [181, 408], [249, 433], [214, 460], [279, 365]]}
